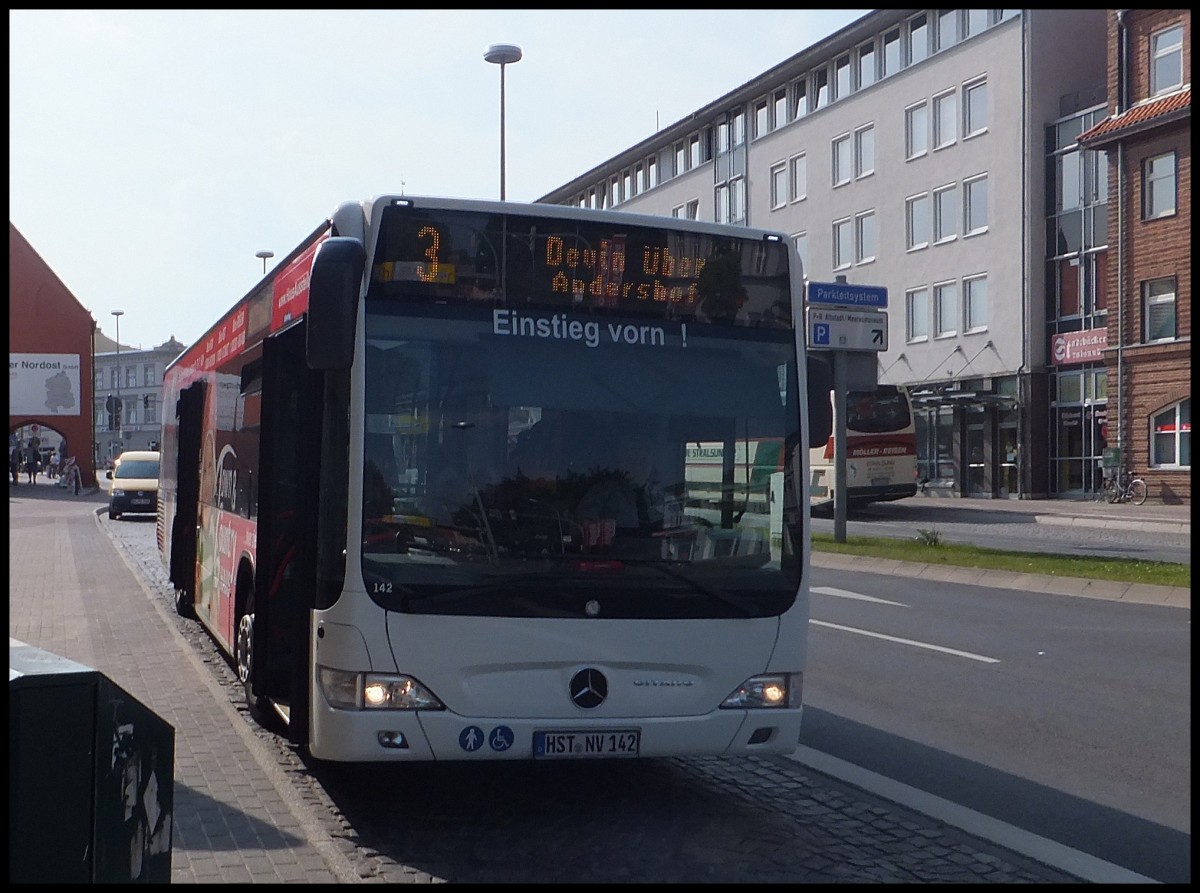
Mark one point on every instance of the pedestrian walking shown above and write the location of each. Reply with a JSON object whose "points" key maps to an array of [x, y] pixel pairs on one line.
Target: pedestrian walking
{"points": [[33, 463], [14, 464]]}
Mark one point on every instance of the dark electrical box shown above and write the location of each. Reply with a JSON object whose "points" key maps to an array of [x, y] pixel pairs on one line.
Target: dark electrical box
{"points": [[91, 776]]}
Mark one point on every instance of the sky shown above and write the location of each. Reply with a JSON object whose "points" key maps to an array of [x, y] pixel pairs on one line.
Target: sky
{"points": [[153, 153]]}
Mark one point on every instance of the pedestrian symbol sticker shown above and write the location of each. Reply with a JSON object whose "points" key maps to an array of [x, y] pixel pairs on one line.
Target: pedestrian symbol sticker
{"points": [[501, 738], [470, 739]]}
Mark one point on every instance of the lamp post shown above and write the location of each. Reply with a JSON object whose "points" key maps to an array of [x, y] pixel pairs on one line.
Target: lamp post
{"points": [[502, 54], [120, 410], [264, 255]]}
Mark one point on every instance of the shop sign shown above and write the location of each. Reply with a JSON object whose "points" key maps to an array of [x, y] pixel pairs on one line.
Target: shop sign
{"points": [[1078, 347]]}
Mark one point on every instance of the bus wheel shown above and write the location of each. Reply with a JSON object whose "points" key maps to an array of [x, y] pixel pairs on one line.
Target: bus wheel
{"points": [[243, 654], [184, 606]]}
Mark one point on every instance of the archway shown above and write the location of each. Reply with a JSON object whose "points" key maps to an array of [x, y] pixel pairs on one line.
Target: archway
{"points": [[48, 443]]}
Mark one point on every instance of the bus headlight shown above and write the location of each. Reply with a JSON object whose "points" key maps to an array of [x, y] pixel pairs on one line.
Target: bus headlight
{"points": [[375, 691], [767, 691]]}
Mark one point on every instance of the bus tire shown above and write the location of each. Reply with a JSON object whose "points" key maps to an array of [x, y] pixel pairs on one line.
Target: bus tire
{"points": [[184, 606], [243, 652]]}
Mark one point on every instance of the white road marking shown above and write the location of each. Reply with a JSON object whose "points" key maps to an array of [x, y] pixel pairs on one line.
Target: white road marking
{"points": [[858, 596], [862, 632]]}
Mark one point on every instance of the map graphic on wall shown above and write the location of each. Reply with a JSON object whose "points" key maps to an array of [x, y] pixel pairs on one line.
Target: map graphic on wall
{"points": [[43, 384]]}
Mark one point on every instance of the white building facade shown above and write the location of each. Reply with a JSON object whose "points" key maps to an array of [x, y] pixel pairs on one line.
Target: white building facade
{"points": [[133, 378], [916, 150]]}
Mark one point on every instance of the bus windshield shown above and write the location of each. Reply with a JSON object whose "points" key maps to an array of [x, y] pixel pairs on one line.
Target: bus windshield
{"points": [[519, 475]]}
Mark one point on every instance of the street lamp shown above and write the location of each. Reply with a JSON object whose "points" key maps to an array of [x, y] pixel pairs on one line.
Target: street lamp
{"points": [[264, 255], [120, 410], [502, 54]]}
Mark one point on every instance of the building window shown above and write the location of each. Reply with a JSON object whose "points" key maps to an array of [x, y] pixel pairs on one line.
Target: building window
{"points": [[149, 409], [113, 381], [801, 240], [916, 130], [148, 379], [651, 172], [739, 129], [1166, 60], [762, 118], [1068, 287], [945, 120], [779, 186], [99, 379], [843, 243], [677, 211], [866, 65], [737, 198], [945, 213], [693, 209], [627, 186], [841, 160], [918, 39], [977, 21], [945, 308], [798, 181], [780, 108], [891, 52], [917, 313], [974, 108], [1171, 436], [864, 231], [947, 28], [799, 99], [820, 93], [841, 78], [680, 159], [864, 151], [721, 200], [1158, 177], [1158, 296], [975, 209], [131, 376], [975, 303], [917, 221]]}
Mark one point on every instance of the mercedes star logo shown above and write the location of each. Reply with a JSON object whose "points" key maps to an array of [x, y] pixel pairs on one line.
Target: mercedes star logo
{"points": [[589, 688]]}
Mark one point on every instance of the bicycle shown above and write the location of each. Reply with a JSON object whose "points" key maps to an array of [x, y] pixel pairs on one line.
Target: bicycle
{"points": [[1124, 487]]}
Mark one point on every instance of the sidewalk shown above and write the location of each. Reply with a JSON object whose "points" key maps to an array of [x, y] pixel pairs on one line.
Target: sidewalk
{"points": [[1078, 512], [237, 817]]}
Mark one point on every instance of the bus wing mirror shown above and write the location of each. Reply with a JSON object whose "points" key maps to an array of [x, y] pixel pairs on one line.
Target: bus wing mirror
{"points": [[820, 407], [333, 286]]}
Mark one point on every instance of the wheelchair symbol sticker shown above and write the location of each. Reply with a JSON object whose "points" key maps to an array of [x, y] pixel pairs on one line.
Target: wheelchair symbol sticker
{"points": [[470, 739], [501, 738]]}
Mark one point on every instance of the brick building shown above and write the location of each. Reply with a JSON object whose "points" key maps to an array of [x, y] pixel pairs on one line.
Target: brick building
{"points": [[49, 357], [1148, 142]]}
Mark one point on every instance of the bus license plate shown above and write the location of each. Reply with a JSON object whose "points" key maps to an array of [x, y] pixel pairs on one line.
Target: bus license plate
{"points": [[880, 482], [551, 745]]}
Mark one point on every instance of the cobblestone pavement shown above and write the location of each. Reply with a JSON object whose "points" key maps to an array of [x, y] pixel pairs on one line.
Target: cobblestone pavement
{"points": [[249, 806]]}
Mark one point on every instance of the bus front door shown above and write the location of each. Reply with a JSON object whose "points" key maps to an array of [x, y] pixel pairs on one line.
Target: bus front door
{"points": [[190, 412], [289, 466]]}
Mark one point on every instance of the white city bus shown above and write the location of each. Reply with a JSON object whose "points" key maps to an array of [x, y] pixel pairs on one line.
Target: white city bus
{"points": [[376, 469], [881, 450]]}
